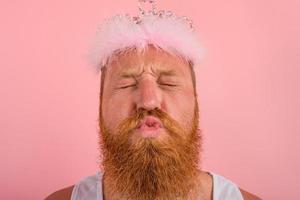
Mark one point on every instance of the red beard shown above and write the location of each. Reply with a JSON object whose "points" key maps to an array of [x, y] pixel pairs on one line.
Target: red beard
{"points": [[151, 169]]}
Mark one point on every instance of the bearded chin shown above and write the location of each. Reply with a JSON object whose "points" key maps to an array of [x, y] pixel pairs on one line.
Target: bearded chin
{"points": [[151, 169]]}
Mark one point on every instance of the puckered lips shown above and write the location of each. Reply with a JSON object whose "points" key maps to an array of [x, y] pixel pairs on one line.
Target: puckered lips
{"points": [[149, 127]]}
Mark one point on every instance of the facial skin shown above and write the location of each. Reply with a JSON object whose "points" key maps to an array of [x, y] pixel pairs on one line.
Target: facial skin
{"points": [[151, 80], [149, 127]]}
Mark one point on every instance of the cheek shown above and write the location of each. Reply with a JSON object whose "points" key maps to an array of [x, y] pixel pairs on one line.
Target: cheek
{"points": [[181, 108], [115, 108]]}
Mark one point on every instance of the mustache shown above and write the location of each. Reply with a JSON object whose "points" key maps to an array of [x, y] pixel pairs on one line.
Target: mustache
{"points": [[132, 122]]}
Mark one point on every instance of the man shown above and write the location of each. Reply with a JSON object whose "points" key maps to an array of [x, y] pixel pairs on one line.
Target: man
{"points": [[149, 115]]}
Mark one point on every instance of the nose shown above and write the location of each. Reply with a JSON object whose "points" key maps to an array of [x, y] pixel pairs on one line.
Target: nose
{"points": [[149, 95]]}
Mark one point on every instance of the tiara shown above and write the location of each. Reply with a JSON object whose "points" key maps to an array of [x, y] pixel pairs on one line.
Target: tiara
{"points": [[164, 29], [161, 13]]}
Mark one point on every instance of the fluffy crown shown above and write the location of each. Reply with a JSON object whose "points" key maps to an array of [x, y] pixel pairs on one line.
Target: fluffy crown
{"points": [[162, 29]]}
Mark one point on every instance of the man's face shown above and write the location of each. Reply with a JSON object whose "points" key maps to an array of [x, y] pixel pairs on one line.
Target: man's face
{"points": [[152, 80]]}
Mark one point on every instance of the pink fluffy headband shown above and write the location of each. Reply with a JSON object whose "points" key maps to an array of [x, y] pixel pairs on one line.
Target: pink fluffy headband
{"points": [[162, 29]]}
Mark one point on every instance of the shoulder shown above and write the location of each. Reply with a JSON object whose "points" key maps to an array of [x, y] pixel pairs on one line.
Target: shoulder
{"points": [[63, 194], [248, 195], [226, 182]]}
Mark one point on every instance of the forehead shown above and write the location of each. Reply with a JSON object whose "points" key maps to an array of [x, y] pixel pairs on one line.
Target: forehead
{"points": [[151, 59]]}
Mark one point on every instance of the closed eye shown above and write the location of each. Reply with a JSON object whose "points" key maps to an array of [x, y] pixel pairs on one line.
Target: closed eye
{"points": [[168, 84], [127, 86]]}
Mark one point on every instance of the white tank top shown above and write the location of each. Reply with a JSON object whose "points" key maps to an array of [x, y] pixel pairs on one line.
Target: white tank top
{"points": [[90, 188]]}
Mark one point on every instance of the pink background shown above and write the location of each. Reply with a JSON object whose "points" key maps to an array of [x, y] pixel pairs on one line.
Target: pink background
{"points": [[248, 92]]}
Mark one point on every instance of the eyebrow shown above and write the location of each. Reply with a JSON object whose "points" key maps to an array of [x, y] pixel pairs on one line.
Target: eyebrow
{"points": [[160, 72], [170, 72]]}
